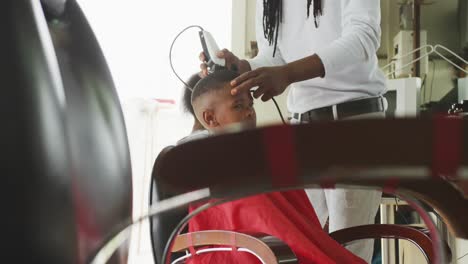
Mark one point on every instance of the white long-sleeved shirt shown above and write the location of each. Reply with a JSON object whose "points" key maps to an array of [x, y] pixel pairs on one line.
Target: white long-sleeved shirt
{"points": [[346, 41]]}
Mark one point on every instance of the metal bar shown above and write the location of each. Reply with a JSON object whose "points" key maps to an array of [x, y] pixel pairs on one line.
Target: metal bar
{"points": [[417, 35], [387, 216]]}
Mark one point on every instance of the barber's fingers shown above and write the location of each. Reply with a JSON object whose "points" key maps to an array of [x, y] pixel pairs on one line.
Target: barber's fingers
{"points": [[226, 54], [202, 56], [232, 60], [203, 70], [258, 92], [203, 66], [246, 85], [240, 83], [223, 53]]}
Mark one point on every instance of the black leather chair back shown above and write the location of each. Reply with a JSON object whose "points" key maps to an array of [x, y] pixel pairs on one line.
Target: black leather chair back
{"points": [[38, 205], [161, 226], [64, 150], [99, 152]]}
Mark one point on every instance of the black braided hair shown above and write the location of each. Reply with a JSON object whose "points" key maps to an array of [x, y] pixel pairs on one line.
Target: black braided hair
{"points": [[272, 17]]}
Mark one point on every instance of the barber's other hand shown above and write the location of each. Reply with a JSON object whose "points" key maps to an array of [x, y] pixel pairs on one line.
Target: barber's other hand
{"points": [[232, 62], [271, 81]]}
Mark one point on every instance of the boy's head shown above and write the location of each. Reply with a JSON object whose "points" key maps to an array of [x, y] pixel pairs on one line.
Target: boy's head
{"points": [[215, 107]]}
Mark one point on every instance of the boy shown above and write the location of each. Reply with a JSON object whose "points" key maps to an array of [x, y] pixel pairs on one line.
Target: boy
{"points": [[288, 216], [216, 108]]}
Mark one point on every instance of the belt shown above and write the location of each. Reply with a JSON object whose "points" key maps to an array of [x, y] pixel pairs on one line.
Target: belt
{"points": [[343, 110]]}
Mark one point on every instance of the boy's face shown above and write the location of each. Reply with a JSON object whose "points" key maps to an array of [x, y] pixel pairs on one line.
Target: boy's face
{"points": [[236, 109]]}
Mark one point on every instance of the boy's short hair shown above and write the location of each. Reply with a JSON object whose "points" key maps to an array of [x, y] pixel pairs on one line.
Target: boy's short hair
{"points": [[187, 96], [213, 82]]}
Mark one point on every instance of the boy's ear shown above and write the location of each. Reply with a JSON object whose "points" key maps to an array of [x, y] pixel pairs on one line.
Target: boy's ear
{"points": [[209, 118]]}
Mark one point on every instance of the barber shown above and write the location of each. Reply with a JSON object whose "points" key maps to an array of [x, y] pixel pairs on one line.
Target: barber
{"points": [[326, 52]]}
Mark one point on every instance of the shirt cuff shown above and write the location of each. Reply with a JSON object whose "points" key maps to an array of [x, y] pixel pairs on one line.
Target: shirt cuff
{"points": [[327, 55]]}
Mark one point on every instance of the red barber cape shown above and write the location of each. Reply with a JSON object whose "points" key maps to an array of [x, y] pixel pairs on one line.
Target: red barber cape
{"points": [[288, 216]]}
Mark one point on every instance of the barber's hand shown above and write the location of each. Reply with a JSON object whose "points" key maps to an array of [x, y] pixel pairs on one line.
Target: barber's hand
{"points": [[271, 81], [232, 62]]}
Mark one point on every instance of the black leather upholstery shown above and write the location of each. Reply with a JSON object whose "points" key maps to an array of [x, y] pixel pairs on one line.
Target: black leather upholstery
{"points": [[99, 152], [161, 226], [37, 204], [54, 7], [64, 151]]}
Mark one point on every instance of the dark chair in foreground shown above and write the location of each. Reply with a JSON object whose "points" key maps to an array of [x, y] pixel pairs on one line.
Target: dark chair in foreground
{"points": [[324, 154], [64, 145], [403, 168]]}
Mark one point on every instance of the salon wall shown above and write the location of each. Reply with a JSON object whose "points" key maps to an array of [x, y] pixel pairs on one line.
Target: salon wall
{"points": [[439, 19], [461, 250]]}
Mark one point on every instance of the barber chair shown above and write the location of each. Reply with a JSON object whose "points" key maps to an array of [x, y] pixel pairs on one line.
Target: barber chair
{"points": [[64, 152], [329, 154]]}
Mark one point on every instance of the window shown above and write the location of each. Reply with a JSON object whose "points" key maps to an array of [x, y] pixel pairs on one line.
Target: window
{"points": [[135, 37]]}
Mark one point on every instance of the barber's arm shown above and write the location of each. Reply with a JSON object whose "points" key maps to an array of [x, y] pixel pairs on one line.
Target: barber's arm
{"points": [[360, 39]]}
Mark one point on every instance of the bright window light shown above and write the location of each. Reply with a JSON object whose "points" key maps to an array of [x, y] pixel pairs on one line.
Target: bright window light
{"points": [[136, 35]]}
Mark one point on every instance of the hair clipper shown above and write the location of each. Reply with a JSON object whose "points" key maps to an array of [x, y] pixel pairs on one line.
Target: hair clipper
{"points": [[210, 48]]}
